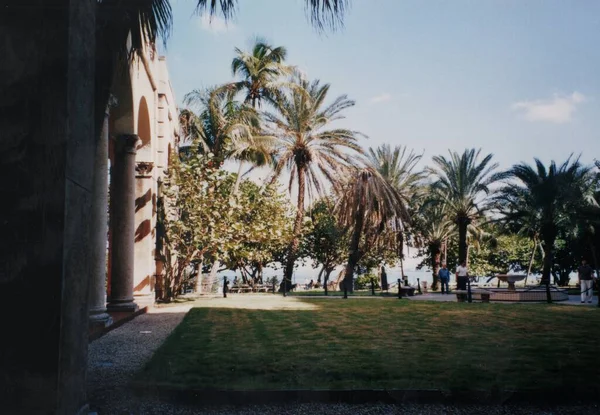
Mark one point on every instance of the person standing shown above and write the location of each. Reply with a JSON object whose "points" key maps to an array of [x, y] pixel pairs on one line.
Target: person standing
{"points": [[586, 281], [462, 275], [444, 275]]}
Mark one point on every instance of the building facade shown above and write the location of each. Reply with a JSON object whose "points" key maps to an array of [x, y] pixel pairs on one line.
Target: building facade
{"points": [[141, 131]]}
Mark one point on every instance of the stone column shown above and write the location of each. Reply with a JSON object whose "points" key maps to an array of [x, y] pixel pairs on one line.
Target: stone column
{"points": [[144, 229], [123, 224], [98, 234]]}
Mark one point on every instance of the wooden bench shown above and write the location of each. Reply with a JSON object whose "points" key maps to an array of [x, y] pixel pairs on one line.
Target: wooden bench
{"points": [[408, 291], [462, 295]]}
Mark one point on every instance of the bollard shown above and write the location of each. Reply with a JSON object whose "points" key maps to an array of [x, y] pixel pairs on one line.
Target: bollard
{"points": [[274, 284], [372, 286], [419, 286], [284, 286], [399, 290], [225, 288]]}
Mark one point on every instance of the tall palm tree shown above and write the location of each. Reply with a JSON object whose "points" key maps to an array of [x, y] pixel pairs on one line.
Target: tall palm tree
{"points": [[368, 205], [227, 129], [261, 71], [462, 182], [307, 147], [397, 166], [433, 227], [144, 22], [543, 200]]}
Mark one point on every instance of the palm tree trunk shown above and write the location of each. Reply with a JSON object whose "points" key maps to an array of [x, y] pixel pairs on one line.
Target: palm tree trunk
{"points": [[293, 247], [445, 250], [467, 255], [548, 254], [353, 257], [435, 264], [462, 239]]}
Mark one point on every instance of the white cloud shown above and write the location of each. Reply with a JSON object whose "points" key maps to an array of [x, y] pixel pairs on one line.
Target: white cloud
{"points": [[216, 24], [559, 109], [380, 98]]}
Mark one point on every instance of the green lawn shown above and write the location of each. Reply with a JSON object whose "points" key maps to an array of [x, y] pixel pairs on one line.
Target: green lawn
{"points": [[382, 343]]}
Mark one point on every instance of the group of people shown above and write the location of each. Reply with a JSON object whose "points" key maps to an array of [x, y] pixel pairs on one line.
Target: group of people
{"points": [[585, 275], [462, 276]]}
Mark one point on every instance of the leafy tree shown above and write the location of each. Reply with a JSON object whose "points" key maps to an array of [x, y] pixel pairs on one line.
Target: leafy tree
{"points": [[195, 214], [325, 242], [262, 225], [501, 254], [307, 147], [544, 200]]}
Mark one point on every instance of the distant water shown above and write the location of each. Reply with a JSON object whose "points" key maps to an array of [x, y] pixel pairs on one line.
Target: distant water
{"points": [[303, 275]]}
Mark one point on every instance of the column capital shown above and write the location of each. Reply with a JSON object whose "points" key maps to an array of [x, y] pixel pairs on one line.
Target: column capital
{"points": [[143, 168], [127, 143]]}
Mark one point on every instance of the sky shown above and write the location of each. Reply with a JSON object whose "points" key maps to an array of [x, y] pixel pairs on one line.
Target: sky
{"points": [[519, 79]]}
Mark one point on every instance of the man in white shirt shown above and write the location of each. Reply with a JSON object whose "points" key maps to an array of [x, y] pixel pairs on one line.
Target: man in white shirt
{"points": [[462, 275]]}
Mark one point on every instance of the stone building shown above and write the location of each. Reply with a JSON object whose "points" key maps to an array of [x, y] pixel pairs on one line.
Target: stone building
{"points": [[55, 193], [140, 132]]}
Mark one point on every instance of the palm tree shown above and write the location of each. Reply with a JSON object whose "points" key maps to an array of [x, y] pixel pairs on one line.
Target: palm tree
{"points": [[144, 22], [227, 129], [261, 71], [396, 167], [433, 227], [543, 200], [461, 182], [307, 148], [368, 205]]}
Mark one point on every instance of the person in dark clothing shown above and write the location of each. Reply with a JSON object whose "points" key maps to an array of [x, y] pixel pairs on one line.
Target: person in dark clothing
{"points": [[444, 275], [586, 281]]}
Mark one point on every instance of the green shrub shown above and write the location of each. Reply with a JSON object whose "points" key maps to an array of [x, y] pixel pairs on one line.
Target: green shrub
{"points": [[363, 282]]}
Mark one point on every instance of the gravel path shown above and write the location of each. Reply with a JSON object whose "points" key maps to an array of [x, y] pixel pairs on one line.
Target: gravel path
{"points": [[114, 358]]}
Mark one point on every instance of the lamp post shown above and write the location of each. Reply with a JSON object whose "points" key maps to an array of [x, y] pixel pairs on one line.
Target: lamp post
{"points": [[469, 296]]}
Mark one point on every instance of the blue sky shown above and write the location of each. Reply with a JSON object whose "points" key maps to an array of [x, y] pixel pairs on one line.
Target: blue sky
{"points": [[517, 78]]}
